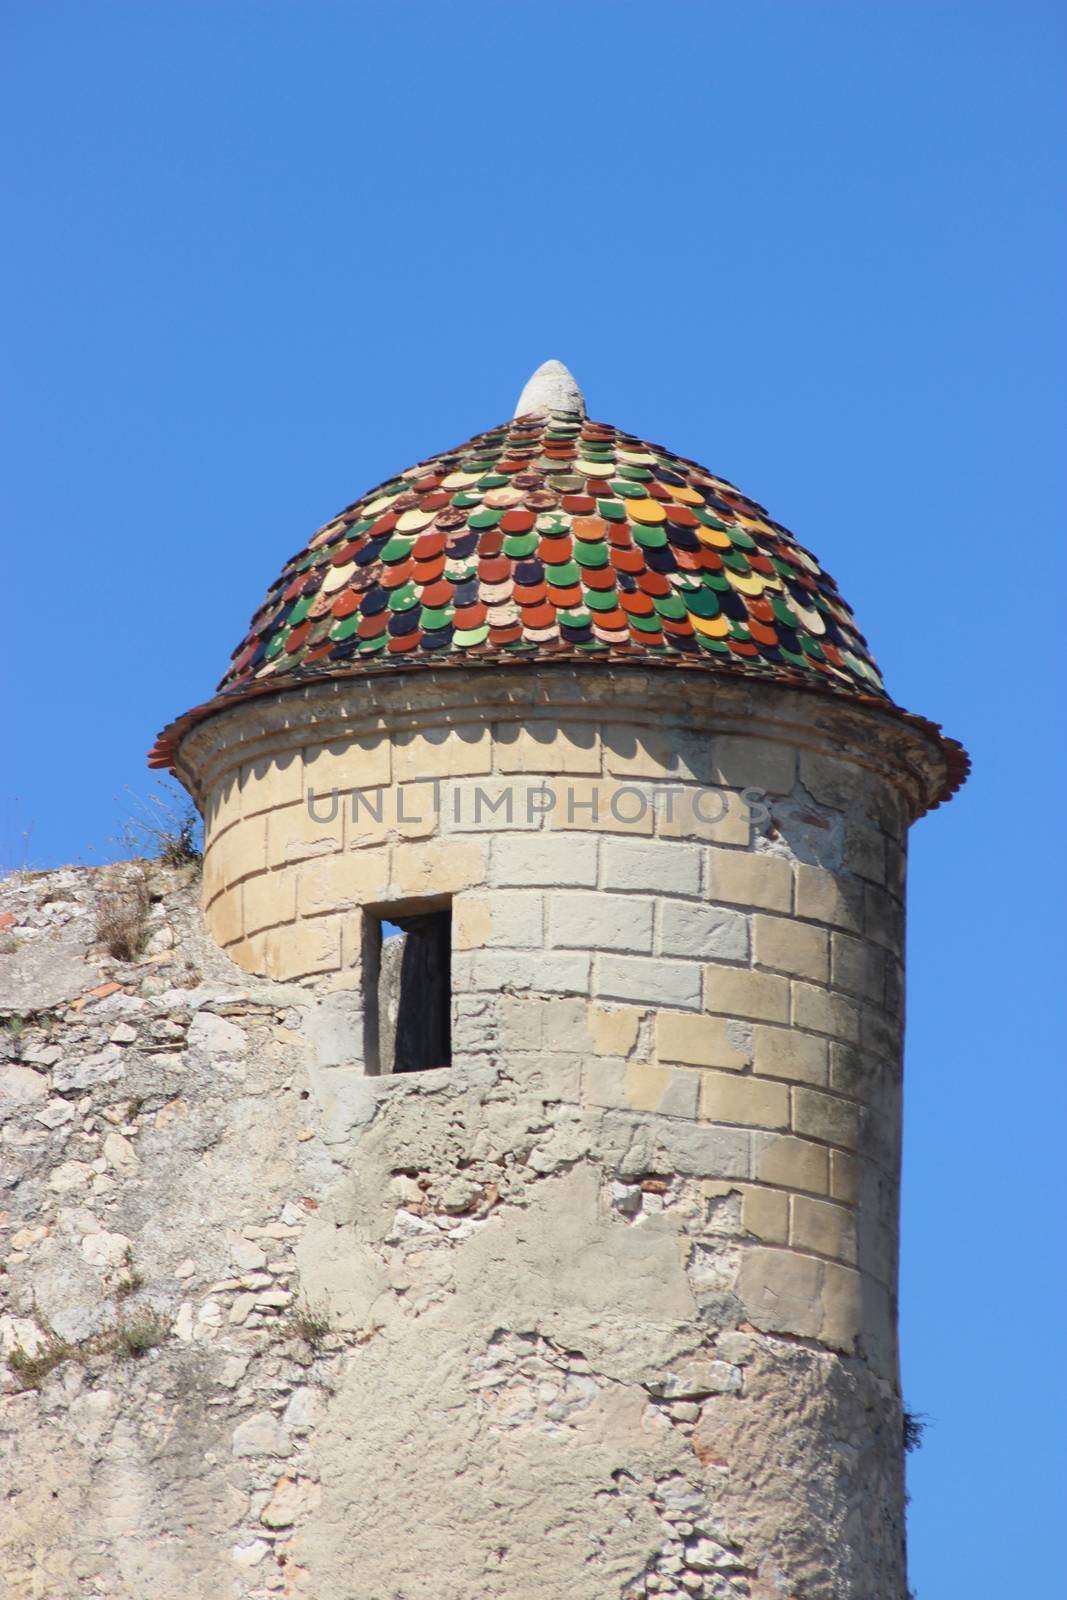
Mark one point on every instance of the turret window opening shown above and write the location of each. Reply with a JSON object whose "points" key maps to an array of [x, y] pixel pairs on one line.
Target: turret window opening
{"points": [[407, 965]]}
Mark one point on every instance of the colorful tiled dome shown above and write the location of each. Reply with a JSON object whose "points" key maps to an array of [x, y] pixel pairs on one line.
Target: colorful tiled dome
{"points": [[551, 537]]}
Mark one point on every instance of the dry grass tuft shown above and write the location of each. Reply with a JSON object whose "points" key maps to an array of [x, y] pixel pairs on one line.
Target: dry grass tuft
{"points": [[32, 1369], [308, 1322], [163, 825], [132, 1337], [122, 918], [141, 1334], [128, 1285]]}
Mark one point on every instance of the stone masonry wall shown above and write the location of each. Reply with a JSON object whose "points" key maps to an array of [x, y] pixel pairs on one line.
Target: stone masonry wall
{"points": [[464, 1333], [605, 1309], [726, 961]]}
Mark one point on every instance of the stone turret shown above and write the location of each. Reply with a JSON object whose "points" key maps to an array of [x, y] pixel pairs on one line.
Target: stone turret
{"points": [[618, 1134]]}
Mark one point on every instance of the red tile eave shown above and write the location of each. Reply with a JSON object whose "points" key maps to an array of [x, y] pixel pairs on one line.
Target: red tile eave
{"points": [[958, 763]]}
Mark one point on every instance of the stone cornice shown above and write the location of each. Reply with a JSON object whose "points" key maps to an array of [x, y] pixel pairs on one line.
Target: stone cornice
{"points": [[909, 757]]}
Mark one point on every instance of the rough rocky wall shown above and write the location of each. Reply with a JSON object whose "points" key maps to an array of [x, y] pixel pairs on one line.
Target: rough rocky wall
{"points": [[157, 1172], [468, 1334]]}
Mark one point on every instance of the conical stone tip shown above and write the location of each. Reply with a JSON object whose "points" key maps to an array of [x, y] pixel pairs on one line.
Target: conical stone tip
{"points": [[552, 388]]}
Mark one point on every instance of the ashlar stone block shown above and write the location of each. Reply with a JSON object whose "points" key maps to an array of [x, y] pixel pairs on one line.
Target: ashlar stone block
{"points": [[648, 980], [793, 1164], [659, 867], [824, 896], [752, 1102], [824, 1116], [744, 878], [699, 1041], [600, 921], [822, 1012], [613, 1029], [791, 947], [270, 898], [520, 860], [691, 929], [788, 1053], [740, 992], [822, 1227]]}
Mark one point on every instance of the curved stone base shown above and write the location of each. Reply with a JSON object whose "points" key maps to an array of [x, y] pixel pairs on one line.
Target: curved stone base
{"points": [[562, 1389]]}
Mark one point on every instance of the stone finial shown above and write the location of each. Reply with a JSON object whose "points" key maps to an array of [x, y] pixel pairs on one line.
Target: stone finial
{"points": [[552, 388]]}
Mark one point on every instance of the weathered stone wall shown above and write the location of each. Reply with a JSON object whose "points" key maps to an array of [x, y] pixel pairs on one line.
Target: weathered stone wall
{"points": [[158, 1167], [455, 787], [605, 1309], [717, 915]]}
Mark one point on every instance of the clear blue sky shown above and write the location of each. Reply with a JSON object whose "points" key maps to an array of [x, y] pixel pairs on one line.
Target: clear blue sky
{"points": [[261, 255]]}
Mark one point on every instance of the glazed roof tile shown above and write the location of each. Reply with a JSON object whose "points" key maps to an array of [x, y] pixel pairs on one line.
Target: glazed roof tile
{"points": [[552, 537]]}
